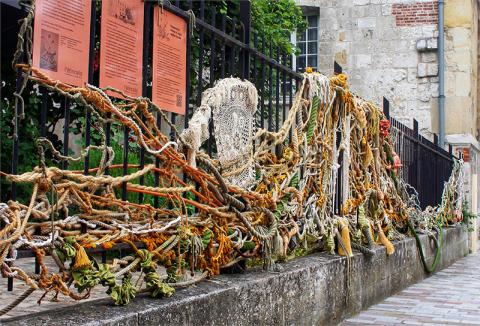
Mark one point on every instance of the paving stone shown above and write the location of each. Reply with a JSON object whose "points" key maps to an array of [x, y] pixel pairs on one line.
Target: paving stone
{"points": [[30, 305], [449, 297]]}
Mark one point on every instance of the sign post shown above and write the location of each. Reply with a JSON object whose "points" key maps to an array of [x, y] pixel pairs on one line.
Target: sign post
{"points": [[169, 61], [61, 40], [121, 46]]}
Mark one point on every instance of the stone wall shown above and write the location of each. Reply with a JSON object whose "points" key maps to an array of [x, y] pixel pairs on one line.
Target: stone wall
{"points": [[319, 289], [389, 48], [461, 59]]}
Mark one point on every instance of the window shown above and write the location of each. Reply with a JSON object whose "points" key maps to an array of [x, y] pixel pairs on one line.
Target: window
{"points": [[307, 42]]}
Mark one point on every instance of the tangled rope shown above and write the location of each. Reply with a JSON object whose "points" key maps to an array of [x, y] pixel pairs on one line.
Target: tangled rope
{"points": [[205, 221]]}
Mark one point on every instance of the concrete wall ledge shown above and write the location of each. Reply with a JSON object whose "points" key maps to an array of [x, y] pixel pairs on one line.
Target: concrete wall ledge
{"points": [[317, 289]]}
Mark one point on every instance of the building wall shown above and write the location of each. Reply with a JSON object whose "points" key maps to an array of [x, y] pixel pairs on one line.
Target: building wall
{"points": [[461, 59], [389, 48]]}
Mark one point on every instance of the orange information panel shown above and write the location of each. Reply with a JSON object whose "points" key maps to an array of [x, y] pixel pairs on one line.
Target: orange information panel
{"points": [[121, 46], [61, 40], [169, 61]]}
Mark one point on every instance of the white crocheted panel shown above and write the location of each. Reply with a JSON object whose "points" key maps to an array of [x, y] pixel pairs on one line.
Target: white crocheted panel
{"points": [[232, 103]]}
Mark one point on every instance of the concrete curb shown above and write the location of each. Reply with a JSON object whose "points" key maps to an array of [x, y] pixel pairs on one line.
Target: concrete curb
{"points": [[309, 290]]}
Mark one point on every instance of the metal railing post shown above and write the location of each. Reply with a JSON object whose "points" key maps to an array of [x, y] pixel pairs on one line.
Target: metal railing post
{"points": [[436, 191], [416, 161], [337, 69], [386, 107], [245, 19]]}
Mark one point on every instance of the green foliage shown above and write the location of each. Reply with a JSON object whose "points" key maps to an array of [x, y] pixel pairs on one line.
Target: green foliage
{"points": [[29, 129], [248, 245], [85, 278], [206, 237], [312, 122], [276, 20], [133, 159], [272, 19], [469, 218], [153, 282], [123, 294]]}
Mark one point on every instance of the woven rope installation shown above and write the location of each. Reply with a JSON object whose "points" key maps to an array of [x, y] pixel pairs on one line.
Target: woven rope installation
{"points": [[266, 197]]}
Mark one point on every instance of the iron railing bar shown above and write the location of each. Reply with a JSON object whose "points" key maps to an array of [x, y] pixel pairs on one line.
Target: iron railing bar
{"points": [[270, 90], [126, 132], [200, 56], [66, 131], [88, 118], [277, 93], [429, 147], [262, 87], [199, 23], [212, 76], [284, 88], [187, 90], [224, 28], [156, 174], [145, 91]]}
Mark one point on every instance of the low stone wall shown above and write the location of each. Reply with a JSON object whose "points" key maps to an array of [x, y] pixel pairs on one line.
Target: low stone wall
{"points": [[314, 290]]}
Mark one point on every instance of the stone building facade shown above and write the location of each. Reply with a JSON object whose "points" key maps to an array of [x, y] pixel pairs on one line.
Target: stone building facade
{"points": [[389, 48]]}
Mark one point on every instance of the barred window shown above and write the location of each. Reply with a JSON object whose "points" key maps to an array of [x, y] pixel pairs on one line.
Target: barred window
{"points": [[307, 42]]}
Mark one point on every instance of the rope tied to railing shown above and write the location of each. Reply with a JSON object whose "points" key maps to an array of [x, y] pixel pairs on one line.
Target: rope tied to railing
{"points": [[205, 221]]}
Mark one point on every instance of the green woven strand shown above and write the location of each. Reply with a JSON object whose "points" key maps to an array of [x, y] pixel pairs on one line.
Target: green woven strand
{"points": [[312, 122]]}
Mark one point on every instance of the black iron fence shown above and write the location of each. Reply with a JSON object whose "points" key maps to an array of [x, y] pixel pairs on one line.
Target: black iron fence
{"points": [[426, 165], [220, 47]]}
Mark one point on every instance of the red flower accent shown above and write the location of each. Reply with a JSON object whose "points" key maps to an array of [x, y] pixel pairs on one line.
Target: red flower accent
{"points": [[384, 127]]}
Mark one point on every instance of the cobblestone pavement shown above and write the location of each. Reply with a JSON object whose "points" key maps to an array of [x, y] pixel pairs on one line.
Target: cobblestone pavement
{"points": [[449, 297], [30, 304]]}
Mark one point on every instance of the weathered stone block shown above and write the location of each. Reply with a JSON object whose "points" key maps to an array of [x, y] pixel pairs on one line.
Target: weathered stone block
{"points": [[429, 31], [427, 69], [421, 45], [366, 22], [462, 84], [360, 2], [386, 10], [427, 44], [428, 57], [363, 60], [404, 60], [412, 75], [432, 43], [460, 36], [460, 56]]}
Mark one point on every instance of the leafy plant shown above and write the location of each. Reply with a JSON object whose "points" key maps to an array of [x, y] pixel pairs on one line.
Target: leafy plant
{"points": [[273, 19], [276, 20], [469, 218]]}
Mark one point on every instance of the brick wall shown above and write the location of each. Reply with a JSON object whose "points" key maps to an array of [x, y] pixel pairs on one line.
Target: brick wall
{"points": [[416, 14]]}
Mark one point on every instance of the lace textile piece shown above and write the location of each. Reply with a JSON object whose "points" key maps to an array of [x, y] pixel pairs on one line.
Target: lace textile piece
{"points": [[233, 103]]}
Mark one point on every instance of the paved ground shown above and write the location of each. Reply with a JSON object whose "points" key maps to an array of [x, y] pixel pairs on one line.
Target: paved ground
{"points": [[449, 297], [30, 305]]}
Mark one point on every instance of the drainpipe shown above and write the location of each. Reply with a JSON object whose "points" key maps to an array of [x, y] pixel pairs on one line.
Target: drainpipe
{"points": [[441, 76]]}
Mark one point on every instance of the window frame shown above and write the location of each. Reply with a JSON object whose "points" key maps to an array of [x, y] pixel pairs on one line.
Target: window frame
{"points": [[306, 41]]}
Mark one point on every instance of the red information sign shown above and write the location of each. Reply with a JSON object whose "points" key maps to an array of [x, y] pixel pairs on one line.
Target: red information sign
{"points": [[121, 46], [61, 40], [169, 61]]}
